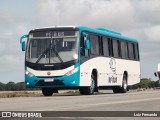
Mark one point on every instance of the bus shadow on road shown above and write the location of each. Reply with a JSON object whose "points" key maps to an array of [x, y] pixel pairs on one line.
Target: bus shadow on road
{"points": [[78, 94]]}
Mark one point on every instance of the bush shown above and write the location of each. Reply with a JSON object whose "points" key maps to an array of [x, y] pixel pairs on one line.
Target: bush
{"points": [[2, 86], [19, 86], [10, 86], [146, 83]]}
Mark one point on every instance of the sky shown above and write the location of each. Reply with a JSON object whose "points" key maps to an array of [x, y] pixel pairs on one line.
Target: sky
{"points": [[138, 19]]}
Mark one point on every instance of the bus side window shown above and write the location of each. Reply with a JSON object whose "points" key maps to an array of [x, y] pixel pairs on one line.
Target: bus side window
{"points": [[110, 43], [105, 45], [136, 52], [119, 48], [94, 42], [115, 48], [82, 50], [131, 51], [124, 50], [100, 45]]}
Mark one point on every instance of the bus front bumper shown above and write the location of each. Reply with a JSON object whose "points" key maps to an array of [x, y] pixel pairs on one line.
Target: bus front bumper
{"points": [[55, 82]]}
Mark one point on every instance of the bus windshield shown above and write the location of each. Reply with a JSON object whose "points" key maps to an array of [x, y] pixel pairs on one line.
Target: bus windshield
{"points": [[50, 49]]}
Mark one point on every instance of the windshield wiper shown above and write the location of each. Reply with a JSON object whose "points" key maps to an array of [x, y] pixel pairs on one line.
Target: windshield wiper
{"points": [[56, 53], [46, 51], [40, 57]]}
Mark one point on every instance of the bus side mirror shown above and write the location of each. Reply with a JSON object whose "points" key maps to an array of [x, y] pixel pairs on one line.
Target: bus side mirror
{"points": [[87, 42], [23, 43], [155, 74]]}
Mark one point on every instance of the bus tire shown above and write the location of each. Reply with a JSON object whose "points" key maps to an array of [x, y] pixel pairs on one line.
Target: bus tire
{"points": [[82, 90], [47, 91], [89, 90], [116, 89], [123, 89]]}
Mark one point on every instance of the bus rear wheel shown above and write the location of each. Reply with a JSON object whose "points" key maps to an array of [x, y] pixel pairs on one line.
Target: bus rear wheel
{"points": [[116, 89], [124, 84], [47, 91], [89, 90], [124, 87]]}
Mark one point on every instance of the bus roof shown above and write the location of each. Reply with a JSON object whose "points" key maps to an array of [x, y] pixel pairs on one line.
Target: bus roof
{"points": [[107, 32], [101, 31]]}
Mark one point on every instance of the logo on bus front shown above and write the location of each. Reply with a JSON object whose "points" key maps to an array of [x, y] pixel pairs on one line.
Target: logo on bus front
{"points": [[48, 73], [112, 64]]}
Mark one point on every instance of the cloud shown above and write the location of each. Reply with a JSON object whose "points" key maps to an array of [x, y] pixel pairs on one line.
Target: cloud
{"points": [[93, 13], [146, 11], [153, 33], [12, 58], [121, 15]]}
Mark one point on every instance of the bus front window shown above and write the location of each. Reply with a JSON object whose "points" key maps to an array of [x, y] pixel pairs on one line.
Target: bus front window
{"points": [[50, 50]]}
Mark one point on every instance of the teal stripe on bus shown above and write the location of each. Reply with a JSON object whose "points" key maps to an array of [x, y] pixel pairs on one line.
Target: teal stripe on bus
{"points": [[106, 32]]}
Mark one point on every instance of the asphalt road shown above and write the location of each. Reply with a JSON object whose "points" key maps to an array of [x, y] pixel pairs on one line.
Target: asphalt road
{"points": [[132, 101]]}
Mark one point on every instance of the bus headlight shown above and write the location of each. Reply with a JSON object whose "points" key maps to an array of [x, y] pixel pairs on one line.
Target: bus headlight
{"points": [[29, 73], [72, 72]]}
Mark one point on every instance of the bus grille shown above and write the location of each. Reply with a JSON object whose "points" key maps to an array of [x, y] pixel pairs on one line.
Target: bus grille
{"points": [[54, 83]]}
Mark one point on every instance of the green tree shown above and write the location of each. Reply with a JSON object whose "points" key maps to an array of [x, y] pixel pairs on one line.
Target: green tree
{"points": [[157, 84], [145, 83], [2, 86], [10, 86], [19, 86], [136, 86], [153, 84]]}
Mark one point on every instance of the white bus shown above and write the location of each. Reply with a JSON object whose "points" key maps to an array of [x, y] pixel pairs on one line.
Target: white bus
{"points": [[81, 58]]}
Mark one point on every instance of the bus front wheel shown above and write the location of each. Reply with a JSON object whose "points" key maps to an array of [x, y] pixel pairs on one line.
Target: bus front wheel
{"points": [[89, 90], [47, 91]]}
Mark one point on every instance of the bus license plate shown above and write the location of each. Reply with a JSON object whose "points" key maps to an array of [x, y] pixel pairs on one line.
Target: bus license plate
{"points": [[48, 80]]}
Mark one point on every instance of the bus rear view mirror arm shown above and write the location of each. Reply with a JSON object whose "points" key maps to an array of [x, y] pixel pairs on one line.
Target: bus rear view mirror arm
{"points": [[23, 45], [24, 36]]}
